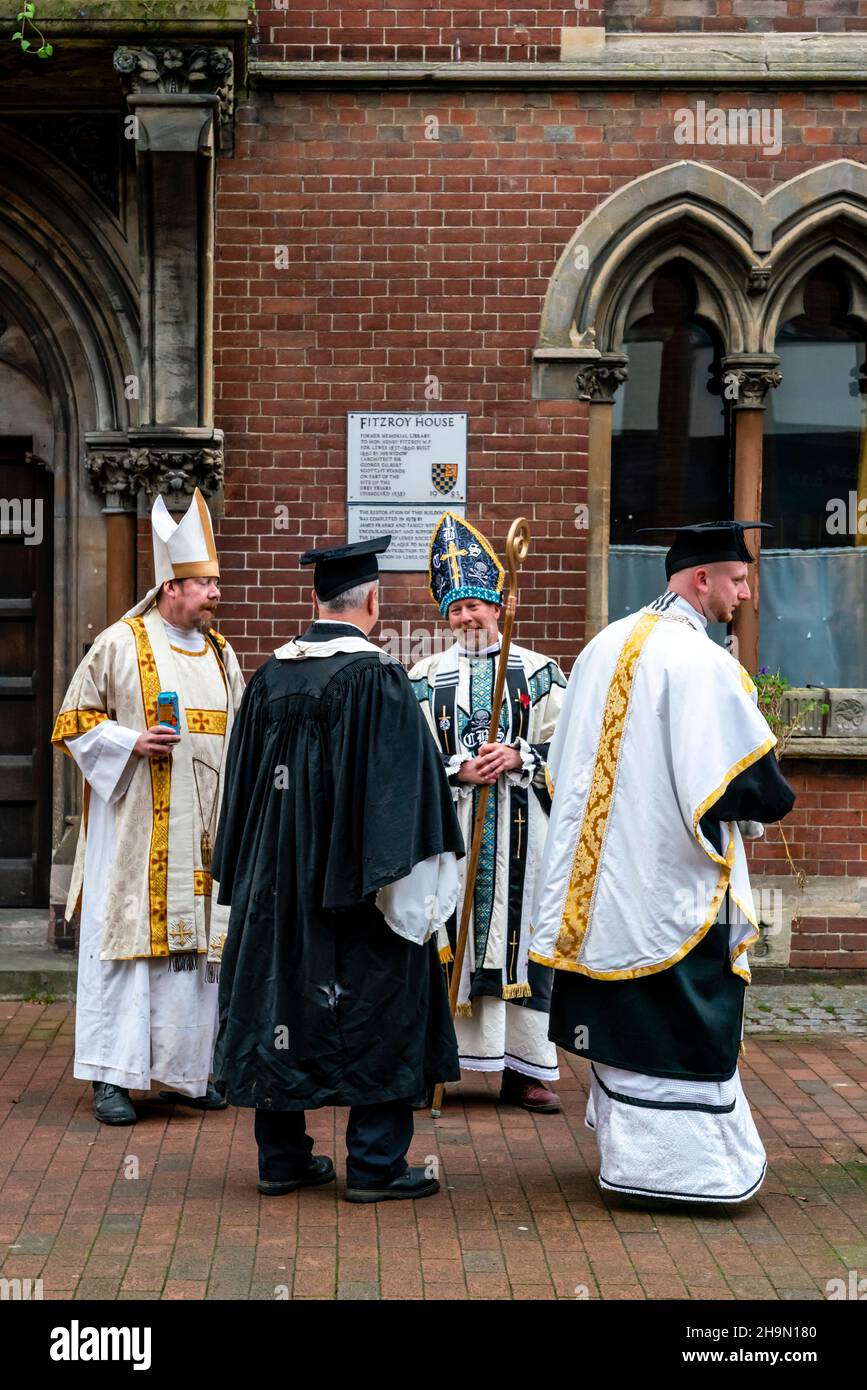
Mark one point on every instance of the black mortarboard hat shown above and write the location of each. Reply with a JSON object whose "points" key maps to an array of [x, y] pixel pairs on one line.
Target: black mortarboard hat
{"points": [[341, 567], [705, 543]]}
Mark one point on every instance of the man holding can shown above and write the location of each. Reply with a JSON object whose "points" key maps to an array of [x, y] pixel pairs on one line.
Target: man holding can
{"points": [[147, 719]]}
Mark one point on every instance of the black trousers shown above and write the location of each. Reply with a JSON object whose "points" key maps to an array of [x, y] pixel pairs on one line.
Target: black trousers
{"points": [[377, 1138]]}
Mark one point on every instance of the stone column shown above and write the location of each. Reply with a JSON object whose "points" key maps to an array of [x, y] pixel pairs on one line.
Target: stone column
{"points": [[112, 475], [861, 478], [752, 375], [597, 382], [181, 104]]}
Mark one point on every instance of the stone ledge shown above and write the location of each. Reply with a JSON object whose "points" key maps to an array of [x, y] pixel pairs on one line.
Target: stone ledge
{"points": [[69, 18], [30, 970], [662, 60], [825, 748]]}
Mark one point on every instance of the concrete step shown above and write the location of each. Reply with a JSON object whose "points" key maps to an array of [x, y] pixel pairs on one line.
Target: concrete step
{"points": [[23, 926], [40, 970]]}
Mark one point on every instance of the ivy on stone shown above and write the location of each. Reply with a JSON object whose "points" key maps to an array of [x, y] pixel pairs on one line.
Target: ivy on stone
{"points": [[25, 18]]}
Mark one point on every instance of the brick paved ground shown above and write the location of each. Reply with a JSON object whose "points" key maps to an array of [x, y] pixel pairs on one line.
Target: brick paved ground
{"points": [[520, 1216]]}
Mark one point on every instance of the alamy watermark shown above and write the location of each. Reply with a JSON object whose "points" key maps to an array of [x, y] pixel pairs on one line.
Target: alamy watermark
{"points": [[847, 516], [22, 516], [739, 125]]}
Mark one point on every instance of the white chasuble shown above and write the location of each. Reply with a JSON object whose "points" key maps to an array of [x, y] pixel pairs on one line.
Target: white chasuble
{"points": [[657, 721], [145, 892], [158, 895]]}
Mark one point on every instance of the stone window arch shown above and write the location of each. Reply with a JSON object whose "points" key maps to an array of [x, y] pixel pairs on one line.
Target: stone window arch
{"points": [[748, 254]]}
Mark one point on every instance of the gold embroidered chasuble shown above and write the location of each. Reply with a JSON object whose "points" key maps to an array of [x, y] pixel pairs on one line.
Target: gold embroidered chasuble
{"points": [[159, 895]]}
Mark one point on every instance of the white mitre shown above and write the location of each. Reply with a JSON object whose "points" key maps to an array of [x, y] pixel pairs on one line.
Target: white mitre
{"points": [[183, 549]]}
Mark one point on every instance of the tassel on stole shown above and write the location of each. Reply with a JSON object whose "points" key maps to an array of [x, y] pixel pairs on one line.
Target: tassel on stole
{"points": [[523, 991], [180, 961]]}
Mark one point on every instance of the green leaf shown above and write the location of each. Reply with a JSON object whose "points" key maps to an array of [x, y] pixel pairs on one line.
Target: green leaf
{"points": [[19, 35], [44, 51], [25, 43]]}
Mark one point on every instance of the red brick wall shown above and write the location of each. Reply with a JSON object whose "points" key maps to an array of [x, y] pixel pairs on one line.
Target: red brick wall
{"points": [[409, 256], [826, 835], [827, 831], [735, 16], [830, 943], [410, 30], [501, 31]]}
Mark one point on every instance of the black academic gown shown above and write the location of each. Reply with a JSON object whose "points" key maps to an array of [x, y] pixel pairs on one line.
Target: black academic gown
{"points": [[684, 1022], [334, 789]]}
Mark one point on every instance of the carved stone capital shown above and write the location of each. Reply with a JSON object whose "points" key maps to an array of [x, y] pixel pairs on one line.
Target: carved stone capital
{"points": [[175, 71], [176, 473], [115, 476], [747, 378], [119, 474], [598, 381]]}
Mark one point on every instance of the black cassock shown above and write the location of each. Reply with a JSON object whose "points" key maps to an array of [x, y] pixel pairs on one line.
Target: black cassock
{"points": [[334, 788]]}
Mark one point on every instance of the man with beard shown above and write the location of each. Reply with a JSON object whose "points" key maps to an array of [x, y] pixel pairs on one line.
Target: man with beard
{"points": [[502, 1012], [150, 935]]}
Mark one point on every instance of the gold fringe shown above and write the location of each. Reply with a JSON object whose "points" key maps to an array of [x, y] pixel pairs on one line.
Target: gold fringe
{"points": [[517, 991], [743, 1048], [464, 1010], [446, 955]]}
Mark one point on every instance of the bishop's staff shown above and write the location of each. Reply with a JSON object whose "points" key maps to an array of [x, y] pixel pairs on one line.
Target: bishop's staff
{"points": [[517, 546]]}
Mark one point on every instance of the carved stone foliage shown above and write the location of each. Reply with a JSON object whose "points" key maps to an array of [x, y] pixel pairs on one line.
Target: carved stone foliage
{"points": [[171, 71], [754, 378], [597, 382], [118, 475]]}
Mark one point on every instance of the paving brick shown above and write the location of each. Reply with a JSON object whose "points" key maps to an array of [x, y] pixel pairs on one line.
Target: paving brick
{"points": [[523, 1219]]}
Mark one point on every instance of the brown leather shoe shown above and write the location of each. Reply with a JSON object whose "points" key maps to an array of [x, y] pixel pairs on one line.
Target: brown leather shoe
{"points": [[526, 1091]]}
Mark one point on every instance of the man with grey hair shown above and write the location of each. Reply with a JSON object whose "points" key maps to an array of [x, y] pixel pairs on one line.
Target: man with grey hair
{"points": [[337, 851]]}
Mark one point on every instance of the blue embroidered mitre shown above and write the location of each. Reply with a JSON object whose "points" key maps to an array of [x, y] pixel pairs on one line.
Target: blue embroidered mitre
{"points": [[462, 564]]}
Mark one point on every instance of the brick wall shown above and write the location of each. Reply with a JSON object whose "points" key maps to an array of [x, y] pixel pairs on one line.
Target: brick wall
{"points": [[827, 831], [826, 835], [406, 257], [410, 30], [735, 16]]}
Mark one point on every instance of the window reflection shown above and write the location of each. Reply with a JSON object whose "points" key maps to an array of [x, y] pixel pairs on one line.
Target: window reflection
{"points": [[814, 419], [670, 459]]}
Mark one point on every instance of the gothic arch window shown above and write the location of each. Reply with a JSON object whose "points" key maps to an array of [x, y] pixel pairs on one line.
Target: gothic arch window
{"points": [[814, 438], [670, 458], [687, 264]]}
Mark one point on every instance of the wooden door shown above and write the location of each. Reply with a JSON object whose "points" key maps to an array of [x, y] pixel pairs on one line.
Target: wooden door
{"points": [[26, 687]]}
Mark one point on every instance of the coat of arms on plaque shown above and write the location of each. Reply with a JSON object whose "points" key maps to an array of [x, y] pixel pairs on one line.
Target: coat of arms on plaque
{"points": [[444, 476]]}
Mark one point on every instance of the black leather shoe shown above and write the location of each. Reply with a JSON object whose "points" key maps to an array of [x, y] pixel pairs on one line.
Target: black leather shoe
{"points": [[112, 1105], [211, 1100], [320, 1170], [410, 1186]]}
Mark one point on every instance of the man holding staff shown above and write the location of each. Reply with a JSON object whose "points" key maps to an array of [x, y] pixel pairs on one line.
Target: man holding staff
{"points": [[503, 1000]]}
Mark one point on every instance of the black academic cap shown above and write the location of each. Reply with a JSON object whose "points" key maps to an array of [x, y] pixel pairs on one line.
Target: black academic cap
{"points": [[705, 543], [341, 567]]}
